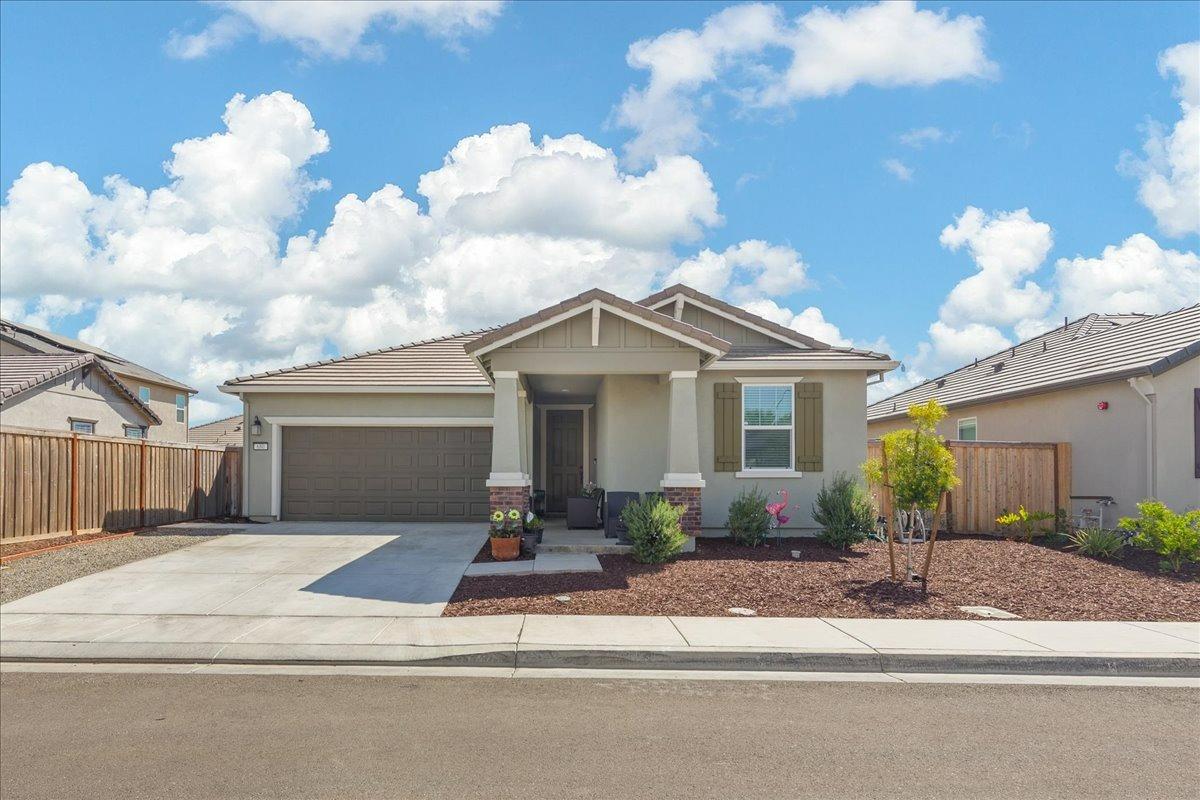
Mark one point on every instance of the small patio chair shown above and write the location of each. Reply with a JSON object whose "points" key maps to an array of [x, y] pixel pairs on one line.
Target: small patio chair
{"points": [[614, 526]]}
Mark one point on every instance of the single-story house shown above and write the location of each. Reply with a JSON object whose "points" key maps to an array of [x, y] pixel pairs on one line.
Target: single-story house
{"points": [[166, 397], [227, 431], [74, 392], [679, 392], [1124, 390]]}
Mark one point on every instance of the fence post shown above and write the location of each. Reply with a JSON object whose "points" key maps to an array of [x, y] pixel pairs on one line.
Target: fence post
{"points": [[74, 483], [142, 484], [1062, 476], [195, 482]]}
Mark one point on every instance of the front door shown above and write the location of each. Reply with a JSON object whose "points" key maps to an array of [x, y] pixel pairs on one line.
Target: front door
{"points": [[564, 458]]}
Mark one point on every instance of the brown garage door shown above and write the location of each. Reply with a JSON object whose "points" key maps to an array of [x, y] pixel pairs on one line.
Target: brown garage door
{"points": [[386, 474]]}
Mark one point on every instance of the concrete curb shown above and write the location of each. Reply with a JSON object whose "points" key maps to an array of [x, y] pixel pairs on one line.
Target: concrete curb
{"points": [[681, 658]]}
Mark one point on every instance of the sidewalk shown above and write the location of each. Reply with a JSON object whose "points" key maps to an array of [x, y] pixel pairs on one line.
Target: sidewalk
{"points": [[1164, 649]]}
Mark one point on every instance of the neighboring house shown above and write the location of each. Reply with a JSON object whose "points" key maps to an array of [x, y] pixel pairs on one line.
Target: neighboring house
{"points": [[1123, 390], [74, 392], [226, 432], [680, 393], [167, 398]]}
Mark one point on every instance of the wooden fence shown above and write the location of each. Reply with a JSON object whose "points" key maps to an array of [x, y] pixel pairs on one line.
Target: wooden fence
{"points": [[996, 477], [55, 483]]}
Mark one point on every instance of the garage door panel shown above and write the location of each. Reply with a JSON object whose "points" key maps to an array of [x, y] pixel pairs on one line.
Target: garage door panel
{"points": [[386, 474]]}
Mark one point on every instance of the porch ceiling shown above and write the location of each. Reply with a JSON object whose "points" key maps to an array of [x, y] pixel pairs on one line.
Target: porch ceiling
{"points": [[564, 384]]}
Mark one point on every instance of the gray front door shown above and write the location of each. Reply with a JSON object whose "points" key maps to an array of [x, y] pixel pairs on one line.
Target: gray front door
{"points": [[386, 474], [564, 458]]}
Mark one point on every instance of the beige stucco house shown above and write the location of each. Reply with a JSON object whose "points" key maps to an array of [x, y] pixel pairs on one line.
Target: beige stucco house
{"points": [[680, 393], [1124, 390], [74, 392], [166, 397]]}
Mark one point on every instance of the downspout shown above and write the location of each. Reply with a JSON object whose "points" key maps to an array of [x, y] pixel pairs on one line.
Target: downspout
{"points": [[1147, 394]]}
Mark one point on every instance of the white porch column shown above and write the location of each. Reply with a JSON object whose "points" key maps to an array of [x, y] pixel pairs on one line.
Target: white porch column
{"points": [[683, 432], [507, 432]]}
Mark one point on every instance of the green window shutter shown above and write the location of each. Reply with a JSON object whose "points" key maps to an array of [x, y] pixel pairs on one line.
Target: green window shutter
{"points": [[727, 427], [810, 419]]}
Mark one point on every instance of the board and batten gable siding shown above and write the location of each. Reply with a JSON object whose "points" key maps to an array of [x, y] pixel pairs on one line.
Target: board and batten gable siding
{"points": [[575, 333], [730, 330], [843, 437], [285, 404], [73, 396]]}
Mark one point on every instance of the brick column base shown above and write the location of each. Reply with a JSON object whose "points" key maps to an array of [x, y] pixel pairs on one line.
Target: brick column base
{"points": [[688, 496], [506, 497]]}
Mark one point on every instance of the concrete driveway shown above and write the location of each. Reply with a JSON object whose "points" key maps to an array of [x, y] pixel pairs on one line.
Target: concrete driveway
{"points": [[311, 569]]}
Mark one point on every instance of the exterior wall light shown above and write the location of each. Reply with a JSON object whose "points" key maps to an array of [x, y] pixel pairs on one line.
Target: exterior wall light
{"points": [[256, 428]]}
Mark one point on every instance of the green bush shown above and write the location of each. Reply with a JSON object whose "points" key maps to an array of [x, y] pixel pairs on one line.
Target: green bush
{"points": [[1097, 542], [1175, 537], [654, 527], [844, 512], [1025, 525], [749, 521]]}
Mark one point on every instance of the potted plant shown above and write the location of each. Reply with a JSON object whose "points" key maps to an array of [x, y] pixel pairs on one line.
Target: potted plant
{"points": [[505, 534], [533, 530]]}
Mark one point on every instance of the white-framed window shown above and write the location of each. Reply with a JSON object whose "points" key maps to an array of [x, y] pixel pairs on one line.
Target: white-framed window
{"points": [[768, 440], [135, 432], [83, 425], [144, 394], [968, 429], [181, 408]]}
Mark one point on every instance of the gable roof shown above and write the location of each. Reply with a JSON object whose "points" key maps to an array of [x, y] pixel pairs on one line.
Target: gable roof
{"points": [[1092, 349], [675, 328], [671, 292], [430, 363], [20, 374], [227, 431], [42, 341]]}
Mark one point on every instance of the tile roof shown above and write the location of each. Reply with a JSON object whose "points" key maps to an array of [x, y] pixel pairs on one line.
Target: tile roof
{"points": [[1092, 349], [782, 352], [20, 373], [226, 431], [681, 328], [43, 341], [433, 362]]}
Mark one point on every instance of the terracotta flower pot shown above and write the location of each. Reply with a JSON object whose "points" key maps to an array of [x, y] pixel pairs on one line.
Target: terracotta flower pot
{"points": [[506, 548]]}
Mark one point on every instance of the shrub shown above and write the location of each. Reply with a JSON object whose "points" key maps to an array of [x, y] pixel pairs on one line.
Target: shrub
{"points": [[1025, 525], [749, 521], [653, 525], [844, 512], [1175, 537], [1097, 542]]}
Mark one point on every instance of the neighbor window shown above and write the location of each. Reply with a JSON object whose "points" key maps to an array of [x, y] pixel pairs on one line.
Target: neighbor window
{"points": [[135, 432], [181, 408], [144, 394], [83, 426], [767, 426], [968, 429]]}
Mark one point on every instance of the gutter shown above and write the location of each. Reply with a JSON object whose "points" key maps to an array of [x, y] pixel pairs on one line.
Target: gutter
{"points": [[1145, 390]]}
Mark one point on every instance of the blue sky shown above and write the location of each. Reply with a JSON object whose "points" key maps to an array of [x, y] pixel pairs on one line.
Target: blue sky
{"points": [[96, 88]]}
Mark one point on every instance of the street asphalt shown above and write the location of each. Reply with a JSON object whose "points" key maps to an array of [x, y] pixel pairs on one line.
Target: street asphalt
{"points": [[129, 736]]}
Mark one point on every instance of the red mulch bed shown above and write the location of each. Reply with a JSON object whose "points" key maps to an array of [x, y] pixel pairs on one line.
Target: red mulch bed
{"points": [[1031, 580]]}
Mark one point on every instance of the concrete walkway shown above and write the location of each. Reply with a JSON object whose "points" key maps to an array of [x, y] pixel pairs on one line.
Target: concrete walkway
{"points": [[1165, 649]]}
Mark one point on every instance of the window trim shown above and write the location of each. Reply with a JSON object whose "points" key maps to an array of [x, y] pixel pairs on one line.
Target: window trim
{"points": [[748, 471], [127, 428], [181, 408], [958, 428], [71, 425]]}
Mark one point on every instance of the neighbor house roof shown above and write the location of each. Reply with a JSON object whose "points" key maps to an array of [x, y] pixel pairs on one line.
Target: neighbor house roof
{"points": [[42, 341], [681, 329], [226, 431], [1092, 349], [21, 373], [433, 362]]}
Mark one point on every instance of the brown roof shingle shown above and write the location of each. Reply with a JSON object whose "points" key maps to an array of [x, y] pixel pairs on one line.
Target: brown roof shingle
{"points": [[20, 373], [226, 431]]}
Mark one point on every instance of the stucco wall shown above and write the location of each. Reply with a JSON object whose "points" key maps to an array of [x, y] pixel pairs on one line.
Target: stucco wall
{"points": [[162, 403], [631, 432], [258, 462], [1175, 467], [845, 434], [89, 398], [1108, 448]]}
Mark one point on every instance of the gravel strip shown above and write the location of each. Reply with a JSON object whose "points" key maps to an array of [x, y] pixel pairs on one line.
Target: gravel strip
{"points": [[1030, 580], [34, 573]]}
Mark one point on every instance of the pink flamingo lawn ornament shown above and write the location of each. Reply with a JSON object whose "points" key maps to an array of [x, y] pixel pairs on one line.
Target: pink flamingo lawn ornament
{"points": [[778, 518]]}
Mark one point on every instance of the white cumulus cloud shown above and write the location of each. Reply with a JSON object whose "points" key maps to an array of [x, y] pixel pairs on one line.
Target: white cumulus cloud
{"points": [[736, 52], [333, 28]]}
